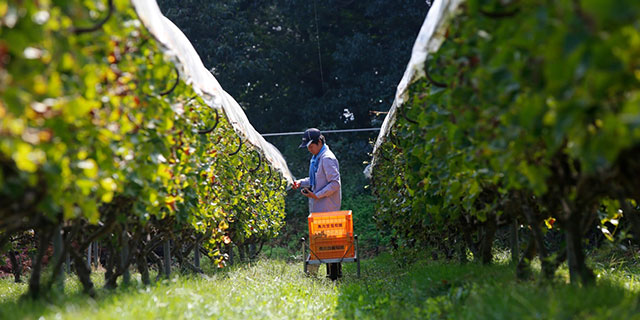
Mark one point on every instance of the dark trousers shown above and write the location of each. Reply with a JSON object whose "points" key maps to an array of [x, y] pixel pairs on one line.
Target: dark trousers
{"points": [[334, 270]]}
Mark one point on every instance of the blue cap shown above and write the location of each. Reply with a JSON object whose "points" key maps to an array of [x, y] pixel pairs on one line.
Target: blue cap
{"points": [[309, 136]]}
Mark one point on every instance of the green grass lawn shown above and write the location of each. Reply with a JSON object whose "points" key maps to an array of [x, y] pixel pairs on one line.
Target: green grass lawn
{"points": [[275, 289]]}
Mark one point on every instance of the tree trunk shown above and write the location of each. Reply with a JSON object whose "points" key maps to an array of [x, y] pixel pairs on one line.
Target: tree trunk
{"points": [[167, 258], [68, 262], [578, 270], [179, 254], [36, 266], [538, 238], [124, 259], [89, 255], [196, 254], [158, 261], [487, 240], [241, 252], [16, 266], [523, 270], [120, 261], [96, 254], [467, 236], [462, 251], [58, 258], [111, 277], [251, 251], [111, 261], [515, 245], [83, 272], [143, 268], [231, 255]]}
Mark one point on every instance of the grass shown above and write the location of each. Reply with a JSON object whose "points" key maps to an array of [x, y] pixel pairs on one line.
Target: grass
{"points": [[266, 289], [426, 290], [276, 289]]}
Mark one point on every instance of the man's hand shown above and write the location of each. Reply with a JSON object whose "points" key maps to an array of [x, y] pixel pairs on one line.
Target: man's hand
{"points": [[309, 194], [296, 185]]}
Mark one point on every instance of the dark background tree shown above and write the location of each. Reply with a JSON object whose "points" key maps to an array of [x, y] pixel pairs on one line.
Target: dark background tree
{"points": [[298, 64]]}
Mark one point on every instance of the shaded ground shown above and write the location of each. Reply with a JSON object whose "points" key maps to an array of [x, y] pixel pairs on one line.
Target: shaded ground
{"points": [[424, 290]]}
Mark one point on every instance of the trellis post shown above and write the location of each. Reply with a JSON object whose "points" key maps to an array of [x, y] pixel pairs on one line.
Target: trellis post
{"points": [[515, 247], [57, 254], [196, 255], [167, 258]]}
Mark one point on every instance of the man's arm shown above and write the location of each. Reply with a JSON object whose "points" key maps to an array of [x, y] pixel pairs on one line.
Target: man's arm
{"points": [[332, 170], [305, 183]]}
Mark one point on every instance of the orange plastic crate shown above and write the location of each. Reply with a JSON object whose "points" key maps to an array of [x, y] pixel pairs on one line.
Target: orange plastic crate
{"points": [[331, 235]]}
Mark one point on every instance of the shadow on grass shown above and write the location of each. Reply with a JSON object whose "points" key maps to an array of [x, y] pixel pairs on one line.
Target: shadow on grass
{"points": [[261, 289], [386, 290], [425, 290], [15, 305], [61, 303]]}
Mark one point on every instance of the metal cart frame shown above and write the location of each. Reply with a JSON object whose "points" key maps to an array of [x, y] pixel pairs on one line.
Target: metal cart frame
{"points": [[306, 258]]}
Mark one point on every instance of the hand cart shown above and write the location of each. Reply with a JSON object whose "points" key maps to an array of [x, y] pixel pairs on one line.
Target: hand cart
{"points": [[331, 240]]}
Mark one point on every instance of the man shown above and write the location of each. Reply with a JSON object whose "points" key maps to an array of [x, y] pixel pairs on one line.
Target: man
{"points": [[322, 186]]}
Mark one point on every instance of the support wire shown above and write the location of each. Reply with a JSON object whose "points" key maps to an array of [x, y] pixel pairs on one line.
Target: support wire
{"points": [[323, 132]]}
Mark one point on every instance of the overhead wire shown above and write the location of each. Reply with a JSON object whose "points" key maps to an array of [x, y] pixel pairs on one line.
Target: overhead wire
{"points": [[323, 131]]}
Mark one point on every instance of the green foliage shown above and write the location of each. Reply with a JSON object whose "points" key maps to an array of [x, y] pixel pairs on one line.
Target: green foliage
{"points": [[96, 128], [538, 114], [266, 55]]}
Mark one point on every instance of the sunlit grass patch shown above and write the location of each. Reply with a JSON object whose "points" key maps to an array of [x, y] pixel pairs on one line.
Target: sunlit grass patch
{"points": [[265, 289], [389, 288]]}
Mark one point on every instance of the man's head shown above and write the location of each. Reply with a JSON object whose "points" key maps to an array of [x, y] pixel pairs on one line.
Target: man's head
{"points": [[313, 140]]}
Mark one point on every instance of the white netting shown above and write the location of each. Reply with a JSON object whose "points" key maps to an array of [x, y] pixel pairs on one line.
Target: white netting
{"points": [[176, 46], [432, 34]]}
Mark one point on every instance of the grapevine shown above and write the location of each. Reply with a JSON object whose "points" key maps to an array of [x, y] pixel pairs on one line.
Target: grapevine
{"points": [[100, 140]]}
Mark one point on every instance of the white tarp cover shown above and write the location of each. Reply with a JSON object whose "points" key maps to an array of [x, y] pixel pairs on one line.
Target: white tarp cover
{"points": [[432, 34], [178, 48]]}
